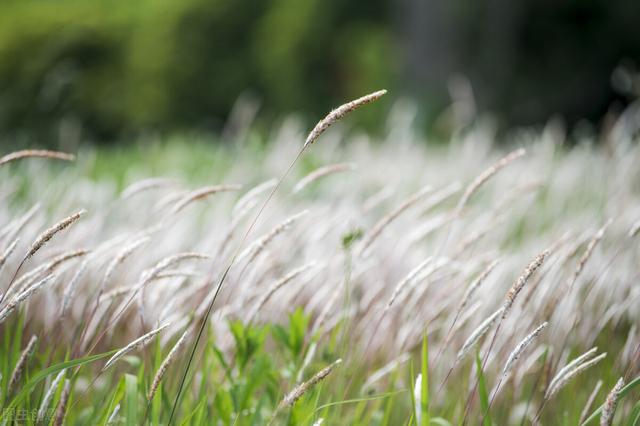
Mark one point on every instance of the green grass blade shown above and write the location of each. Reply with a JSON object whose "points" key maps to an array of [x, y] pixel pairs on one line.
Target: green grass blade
{"points": [[131, 398], [424, 393], [389, 405], [353, 401], [190, 416], [33, 381], [625, 390], [482, 392], [634, 417], [439, 421], [412, 380]]}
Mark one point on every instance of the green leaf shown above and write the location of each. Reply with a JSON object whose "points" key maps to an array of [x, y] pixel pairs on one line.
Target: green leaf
{"points": [[298, 322], [482, 391], [280, 335], [131, 399], [220, 357], [224, 406], [248, 339], [115, 399], [351, 237]]}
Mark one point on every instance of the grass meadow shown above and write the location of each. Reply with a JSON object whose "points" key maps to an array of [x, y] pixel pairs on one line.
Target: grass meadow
{"points": [[365, 281]]}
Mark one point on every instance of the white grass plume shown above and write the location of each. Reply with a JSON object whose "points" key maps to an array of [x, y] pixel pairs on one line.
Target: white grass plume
{"points": [[44, 237], [48, 396], [520, 348], [264, 298], [574, 363], [165, 365], [248, 200], [406, 280], [251, 252], [145, 185], [61, 411], [516, 288], [21, 297], [324, 314], [609, 408], [21, 364], [475, 285], [385, 370], [151, 274], [7, 253], [70, 288], [202, 193], [46, 268], [120, 258], [136, 344], [23, 221], [322, 172], [302, 388], [562, 381], [383, 223], [36, 153], [340, 112], [588, 252], [486, 175], [477, 334]]}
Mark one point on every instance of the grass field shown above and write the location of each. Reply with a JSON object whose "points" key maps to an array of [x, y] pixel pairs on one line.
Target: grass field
{"points": [[386, 282]]}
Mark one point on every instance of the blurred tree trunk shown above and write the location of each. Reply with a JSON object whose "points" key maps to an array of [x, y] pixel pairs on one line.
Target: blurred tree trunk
{"points": [[427, 31]]}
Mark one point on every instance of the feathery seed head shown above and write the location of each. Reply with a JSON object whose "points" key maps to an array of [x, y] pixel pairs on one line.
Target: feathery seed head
{"points": [[340, 112]]}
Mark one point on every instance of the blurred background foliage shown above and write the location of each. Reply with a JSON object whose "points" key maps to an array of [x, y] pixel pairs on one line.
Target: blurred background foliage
{"points": [[111, 69]]}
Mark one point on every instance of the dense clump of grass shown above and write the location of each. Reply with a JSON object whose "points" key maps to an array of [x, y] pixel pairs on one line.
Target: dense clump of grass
{"points": [[321, 298]]}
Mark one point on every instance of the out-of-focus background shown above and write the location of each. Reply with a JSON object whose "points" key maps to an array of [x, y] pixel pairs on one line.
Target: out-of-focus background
{"points": [[110, 70], [509, 136]]}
